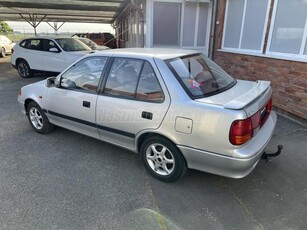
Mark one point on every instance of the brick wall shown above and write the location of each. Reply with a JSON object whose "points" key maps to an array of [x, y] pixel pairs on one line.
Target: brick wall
{"points": [[288, 78]]}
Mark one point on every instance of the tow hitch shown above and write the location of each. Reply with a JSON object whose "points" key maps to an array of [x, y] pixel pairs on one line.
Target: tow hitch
{"points": [[267, 156]]}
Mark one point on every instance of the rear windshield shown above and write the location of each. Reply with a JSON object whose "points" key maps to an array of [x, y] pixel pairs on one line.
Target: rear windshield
{"points": [[71, 44], [200, 76]]}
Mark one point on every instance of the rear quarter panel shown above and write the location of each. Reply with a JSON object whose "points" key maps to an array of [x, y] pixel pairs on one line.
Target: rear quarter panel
{"points": [[210, 128], [210, 123]]}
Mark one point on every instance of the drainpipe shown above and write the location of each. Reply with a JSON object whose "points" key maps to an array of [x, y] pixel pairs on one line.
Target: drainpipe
{"points": [[213, 30], [142, 19]]}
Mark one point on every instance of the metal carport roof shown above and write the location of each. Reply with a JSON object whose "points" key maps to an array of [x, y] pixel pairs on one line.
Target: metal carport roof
{"points": [[92, 11]]}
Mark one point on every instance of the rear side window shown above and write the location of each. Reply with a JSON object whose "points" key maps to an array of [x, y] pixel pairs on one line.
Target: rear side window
{"points": [[133, 79], [33, 44], [200, 76], [149, 88], [23, 43], [123, 77]]}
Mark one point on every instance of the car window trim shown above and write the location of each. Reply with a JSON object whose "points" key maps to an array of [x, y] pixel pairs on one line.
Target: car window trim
{"points": [[107, 72], [139, 78]]}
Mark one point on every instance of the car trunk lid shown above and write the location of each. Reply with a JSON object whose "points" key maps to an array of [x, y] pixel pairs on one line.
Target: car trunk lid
{"points": [[242, 96], [252, 97]]}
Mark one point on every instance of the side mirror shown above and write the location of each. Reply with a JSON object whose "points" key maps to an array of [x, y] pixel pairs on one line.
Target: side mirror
{"points": [[50, 82], [53, 49], [68, 84]]}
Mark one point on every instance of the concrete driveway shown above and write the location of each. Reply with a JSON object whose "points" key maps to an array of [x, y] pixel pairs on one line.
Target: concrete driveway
{"points": [[65, 180]]}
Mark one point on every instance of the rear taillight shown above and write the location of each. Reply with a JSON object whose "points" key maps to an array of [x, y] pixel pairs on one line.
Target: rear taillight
{"points": [[265, 112], [241, 131], [12, 50]]}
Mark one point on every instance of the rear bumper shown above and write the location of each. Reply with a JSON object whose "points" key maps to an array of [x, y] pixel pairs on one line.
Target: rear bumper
{"points": [[241, 164]]}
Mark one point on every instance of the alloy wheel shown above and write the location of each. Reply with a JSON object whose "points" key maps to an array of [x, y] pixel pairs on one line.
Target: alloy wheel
{"points": [[36, 118], [160, 159], [23, 69]]}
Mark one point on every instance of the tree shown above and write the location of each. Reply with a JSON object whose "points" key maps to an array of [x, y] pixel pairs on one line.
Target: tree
{"points": [[4, 27]]}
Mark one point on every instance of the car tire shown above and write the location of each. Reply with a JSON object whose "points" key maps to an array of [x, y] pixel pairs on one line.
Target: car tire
{"points": [[2, 53], [38, 119], [24, 69], [162, 159]]}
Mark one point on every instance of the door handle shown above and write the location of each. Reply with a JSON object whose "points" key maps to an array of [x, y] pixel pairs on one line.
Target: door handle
{"points": [[86, 104], [147, 115]]}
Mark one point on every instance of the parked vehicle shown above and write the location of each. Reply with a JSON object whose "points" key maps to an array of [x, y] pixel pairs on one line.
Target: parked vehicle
{"points": [[92, 45], [46, 54], [6, 46], [177, 108], [103, 39]]}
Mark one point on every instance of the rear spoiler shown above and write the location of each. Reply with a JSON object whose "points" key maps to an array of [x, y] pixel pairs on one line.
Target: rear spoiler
{"points": [[248, 97]]}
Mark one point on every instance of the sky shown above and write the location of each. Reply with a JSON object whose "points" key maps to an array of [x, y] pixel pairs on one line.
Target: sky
{"points": [[24, 27]]}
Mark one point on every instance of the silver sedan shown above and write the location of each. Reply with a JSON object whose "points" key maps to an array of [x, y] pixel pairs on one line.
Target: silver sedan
{"points": [[176, 108]]}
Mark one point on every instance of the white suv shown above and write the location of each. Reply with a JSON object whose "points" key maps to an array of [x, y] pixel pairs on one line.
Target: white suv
{"points": [[46, 54]]}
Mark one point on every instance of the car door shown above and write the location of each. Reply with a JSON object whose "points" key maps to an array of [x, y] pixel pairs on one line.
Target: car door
{"points": [[133, 100], [54, 57], [34, 54], [72, 105]]}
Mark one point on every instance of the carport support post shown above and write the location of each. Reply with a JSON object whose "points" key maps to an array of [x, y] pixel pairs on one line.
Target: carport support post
{"points": [[33, 20], [55, 26]]}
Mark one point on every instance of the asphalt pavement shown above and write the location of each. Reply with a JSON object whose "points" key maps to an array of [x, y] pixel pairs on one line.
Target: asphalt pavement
{"points": [[66, 180]]}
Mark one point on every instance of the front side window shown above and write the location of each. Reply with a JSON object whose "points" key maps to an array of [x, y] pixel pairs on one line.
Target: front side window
{"points": [[133, 79], [241, 31], [84, 75], [200, 76], [50, 46], [289, 32], [71, 44]]}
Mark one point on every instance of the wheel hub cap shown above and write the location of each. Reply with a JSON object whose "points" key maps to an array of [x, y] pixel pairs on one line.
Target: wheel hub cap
{"points": [[160, 159], [36, 118], [23, 69]]}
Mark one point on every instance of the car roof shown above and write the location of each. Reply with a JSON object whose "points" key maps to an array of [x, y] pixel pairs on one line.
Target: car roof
{"points": [[161, 53], [47, 37]]}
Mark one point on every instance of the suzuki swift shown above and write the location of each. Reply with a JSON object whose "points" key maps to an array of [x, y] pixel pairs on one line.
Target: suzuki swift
{"points": [[176, 108]]}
